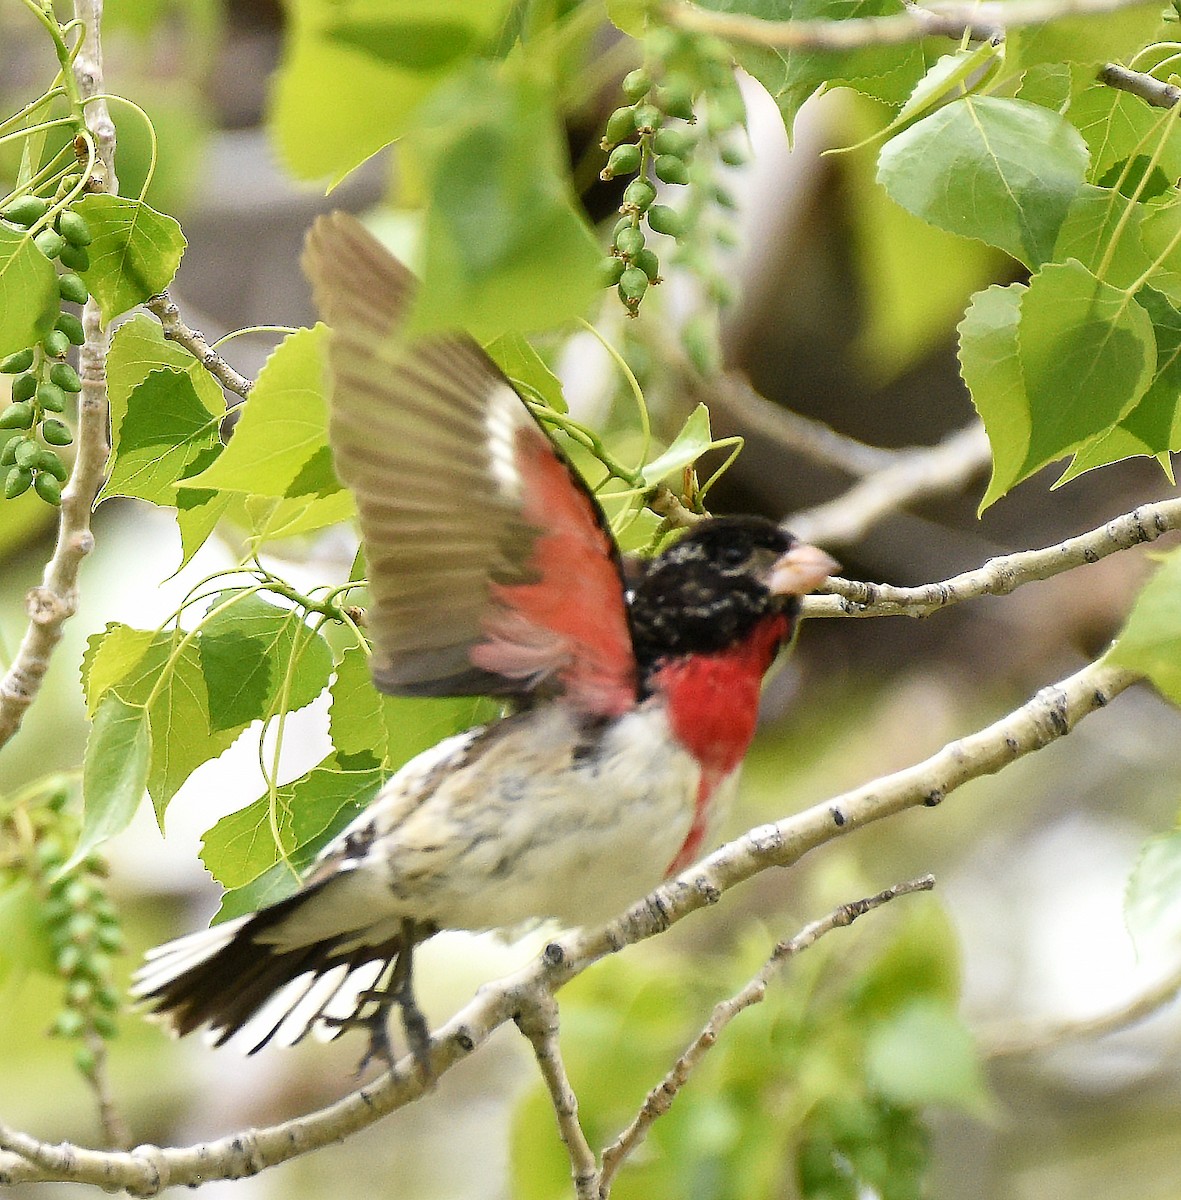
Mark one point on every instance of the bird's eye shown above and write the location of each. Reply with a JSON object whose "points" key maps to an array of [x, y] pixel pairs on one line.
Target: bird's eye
{"points": [[732, 555]]}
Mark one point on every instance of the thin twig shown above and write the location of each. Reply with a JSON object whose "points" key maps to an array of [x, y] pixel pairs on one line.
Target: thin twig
{"points": [[538, 1021], [1033, 1038], [1152, 91], [999, 576], [1048, 716], [984, 22], [792, 431], [115, 1131], [912, 476], [56, 598], [164, 309], [661, 1098]]}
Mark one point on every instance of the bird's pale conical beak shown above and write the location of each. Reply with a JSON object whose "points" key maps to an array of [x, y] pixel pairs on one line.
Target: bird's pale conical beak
{"points": [[801, 570]]}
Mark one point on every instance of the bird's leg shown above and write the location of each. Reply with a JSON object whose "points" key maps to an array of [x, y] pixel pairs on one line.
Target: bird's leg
{"points": [[397, 989]]}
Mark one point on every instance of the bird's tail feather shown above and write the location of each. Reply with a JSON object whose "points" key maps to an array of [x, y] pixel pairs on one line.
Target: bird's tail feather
{"points": [[234, 980]]}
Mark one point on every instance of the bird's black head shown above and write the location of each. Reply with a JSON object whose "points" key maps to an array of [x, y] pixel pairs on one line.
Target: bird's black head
{"points": [[708, 590]]}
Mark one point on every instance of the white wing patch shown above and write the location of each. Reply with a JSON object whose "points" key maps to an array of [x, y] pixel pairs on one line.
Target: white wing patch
{"points": [[501, 420]]}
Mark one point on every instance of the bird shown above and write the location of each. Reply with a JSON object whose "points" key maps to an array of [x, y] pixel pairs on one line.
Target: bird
{"points": [[631, 695]]}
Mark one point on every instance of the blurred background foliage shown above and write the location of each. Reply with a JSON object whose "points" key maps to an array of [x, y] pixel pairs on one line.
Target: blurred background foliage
{"points": [[868, 1071]]}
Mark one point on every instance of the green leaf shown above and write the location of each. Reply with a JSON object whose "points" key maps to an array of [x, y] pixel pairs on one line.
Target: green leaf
{"points": [[283, 428], [991, 368], [366, 59], [1100, 220], [693, 440], [29, 302], [1087, 355], [948, 72], [109, 658], [151, 669], [888, 73], [269, 520], [1002, 171], [512, 353], [924, 1055], [1153, 427], [1152, 904], [255, 657], [114, 771], [1150, 642], [138, 347], [504, 248], [198, 510], [356, 723], [135, 251], [242, 846], [166, 434], [1117, 126], [1095, 38]]}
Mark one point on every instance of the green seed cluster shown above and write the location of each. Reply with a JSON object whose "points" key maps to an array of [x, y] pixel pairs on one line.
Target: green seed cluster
{"points": [[649, 137], [659, 136], [83, 928], [43, 379]]}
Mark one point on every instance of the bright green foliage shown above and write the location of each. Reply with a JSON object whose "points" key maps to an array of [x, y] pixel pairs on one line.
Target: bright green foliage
{"points": [[134, 254], [28, 292], [1003, 171], [114, 772], [280, 446], [1151, 639]]}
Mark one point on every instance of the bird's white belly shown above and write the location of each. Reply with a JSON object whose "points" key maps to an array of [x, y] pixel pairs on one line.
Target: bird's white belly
{"points": [[531, 830]]}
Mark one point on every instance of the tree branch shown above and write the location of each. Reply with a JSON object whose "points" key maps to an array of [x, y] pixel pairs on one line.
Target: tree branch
{"points": [[538, 1021], [1032, 1038], [1049, 715], [1148, 89], [999, 576], [983, 22], [164, 309], [661, 1098], [52, 603], [913, 475]]}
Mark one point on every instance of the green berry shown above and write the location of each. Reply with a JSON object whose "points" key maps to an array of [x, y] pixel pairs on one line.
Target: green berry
{"points": [[48, 489], [110, 938], [671, 169], [53, 465], [71, 288], [630, 241], [622, 223], [74, 257], [639, 194], [50, 243], [56, 433], [68, 1024], [106, 998], [17, 481], [104, 1026], [620, 125], [65, 377], [649, 264], [17, 416], [647, 117], [676, 98], [8, 450], [85, 1061], [80, 993], [610, 270], [636, 83], [734, 155], [27, 453], [14, 364], [624, 160], [724, 198], [71, 327], [673, 141], [72, 226], [25, 211], [666, 220], [51, 398], [23, 387], [55, 344], [633, 283]]}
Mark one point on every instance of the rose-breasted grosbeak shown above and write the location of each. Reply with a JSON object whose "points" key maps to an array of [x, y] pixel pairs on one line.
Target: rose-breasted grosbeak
{"points": [[492, 572]]}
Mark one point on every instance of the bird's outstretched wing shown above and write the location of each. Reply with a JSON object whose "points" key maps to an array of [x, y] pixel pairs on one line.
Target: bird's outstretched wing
{"points": [[490, 567]]}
